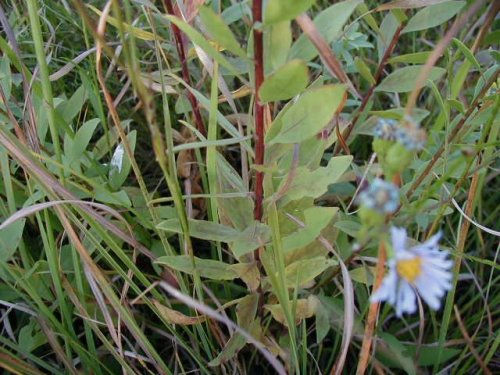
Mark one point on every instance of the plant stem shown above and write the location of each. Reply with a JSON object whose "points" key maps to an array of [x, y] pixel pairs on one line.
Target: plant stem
{"points": [[179, 44], [378, 78], [364, 354], [258, 41], [48, 99]]}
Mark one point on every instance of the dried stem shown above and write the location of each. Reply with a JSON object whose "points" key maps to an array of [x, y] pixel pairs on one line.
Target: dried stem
{"points": [[364, 354], [258, 107], [179, 44]]}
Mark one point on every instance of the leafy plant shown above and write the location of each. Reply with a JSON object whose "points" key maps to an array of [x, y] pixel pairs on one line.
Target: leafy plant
{"points": [[210, 186]]}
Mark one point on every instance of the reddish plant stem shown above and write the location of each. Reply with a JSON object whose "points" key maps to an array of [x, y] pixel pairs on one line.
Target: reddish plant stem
{"points": [[378, 78], [258, 107], [179, 44]]}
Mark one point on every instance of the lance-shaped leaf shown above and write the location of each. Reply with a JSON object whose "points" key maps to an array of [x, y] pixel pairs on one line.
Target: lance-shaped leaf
{"points": [[309, 114], [286, 82], [241, 242], [433, 16], [405, 79], [220, 32], [303, 271], [285, 10]]}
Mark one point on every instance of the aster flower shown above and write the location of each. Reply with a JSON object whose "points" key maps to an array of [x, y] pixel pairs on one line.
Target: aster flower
{"points": [[411, 136], [386, 129], [421, 269], [381, 196]]}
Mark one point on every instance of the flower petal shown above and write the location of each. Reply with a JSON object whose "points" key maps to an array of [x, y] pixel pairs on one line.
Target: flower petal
{"points": [[398, 236]]}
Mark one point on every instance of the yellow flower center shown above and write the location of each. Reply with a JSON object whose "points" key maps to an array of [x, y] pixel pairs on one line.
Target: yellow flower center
{"points": [[409, 269]]}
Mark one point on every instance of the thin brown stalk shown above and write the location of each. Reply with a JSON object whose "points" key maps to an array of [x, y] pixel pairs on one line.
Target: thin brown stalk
{"points": [[378, 78], [364, 355], [181, 51], [469, 342], [258, 39]]}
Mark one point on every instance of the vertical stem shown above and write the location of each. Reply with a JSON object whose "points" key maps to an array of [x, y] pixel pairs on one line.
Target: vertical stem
{"points": [[36, 32], [259, 108], [185, 70], [364, 354]]}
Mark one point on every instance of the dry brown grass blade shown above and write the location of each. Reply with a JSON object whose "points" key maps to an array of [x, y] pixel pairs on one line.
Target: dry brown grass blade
{"points": [[56, 346], [325, 52], [103, 307], [469, 342], [27, 211], [14, 365]]}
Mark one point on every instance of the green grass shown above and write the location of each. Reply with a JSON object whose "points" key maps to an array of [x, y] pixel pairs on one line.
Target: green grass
{"points": [[157, 265]]}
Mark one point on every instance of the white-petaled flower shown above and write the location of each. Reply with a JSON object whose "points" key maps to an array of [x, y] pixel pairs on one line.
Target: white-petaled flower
{"points": [[422, 269], [380, 196]]}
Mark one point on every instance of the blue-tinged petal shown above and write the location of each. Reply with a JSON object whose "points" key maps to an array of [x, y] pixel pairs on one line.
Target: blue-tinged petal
{"points": [[398, 236]]}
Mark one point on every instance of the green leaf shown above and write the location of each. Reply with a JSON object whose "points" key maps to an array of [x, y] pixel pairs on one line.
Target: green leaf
{"points": [[278, 42], [74, 104], [241, 243], [253, 237], [396, 354], [198, 39], [285, 10], [388, 28], [427, 355], [74, 148], [219, 31], [329, 23], [433, 15], [237, 211], [286, 82], [5, 77], [363, 275], [348, 226], [211, 269], [322, 322], [418, 114], [309, 114], [313, 184], [120, 164], [364, 70], [9, 239], [303, 271], [404, 79], [316, 219], [411, 58], [246, 309], [407, 4], [467, 53], [205, 230], [120, 198]]}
